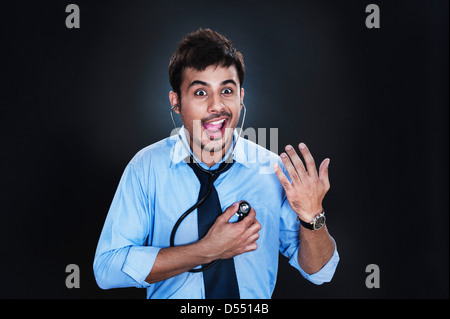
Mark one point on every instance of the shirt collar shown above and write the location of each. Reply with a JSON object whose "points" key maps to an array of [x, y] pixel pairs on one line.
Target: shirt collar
{"points": [[179, 151]]}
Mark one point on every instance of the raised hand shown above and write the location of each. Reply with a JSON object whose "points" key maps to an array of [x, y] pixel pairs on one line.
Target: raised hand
{"points": [[308, 187]]}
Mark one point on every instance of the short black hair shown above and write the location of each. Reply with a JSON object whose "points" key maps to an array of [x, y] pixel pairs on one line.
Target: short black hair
{"points": [[201, 49]]}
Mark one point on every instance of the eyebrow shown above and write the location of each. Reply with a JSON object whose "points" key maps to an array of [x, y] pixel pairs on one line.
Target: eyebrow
{"points": [[198, 82], [229, 81]]}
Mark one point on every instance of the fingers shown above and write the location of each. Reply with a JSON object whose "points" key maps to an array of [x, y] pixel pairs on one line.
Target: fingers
{"points": [[252, 226], [251, 247], [253, 230], [296, 169], [290, 168], [295, 166], [283, 179], [298, 164], [250, 218], [253, 235], [309, 160]]}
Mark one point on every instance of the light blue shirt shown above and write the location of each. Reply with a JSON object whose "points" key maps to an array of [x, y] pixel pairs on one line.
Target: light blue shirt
{"points": [[157, 187]]}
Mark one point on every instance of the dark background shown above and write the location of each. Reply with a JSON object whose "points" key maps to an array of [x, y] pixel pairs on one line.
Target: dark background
{"points": [[77, 104]]}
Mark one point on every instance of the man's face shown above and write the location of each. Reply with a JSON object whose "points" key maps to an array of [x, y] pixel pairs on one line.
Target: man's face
{"points": [[210, 106]]}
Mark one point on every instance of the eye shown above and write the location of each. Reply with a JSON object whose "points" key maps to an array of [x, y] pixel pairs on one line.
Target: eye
{"points": [[227, 91], [200, 93]]}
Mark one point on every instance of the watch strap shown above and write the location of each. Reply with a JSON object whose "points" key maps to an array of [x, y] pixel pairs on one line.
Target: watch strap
{"points": [[306, 225]]}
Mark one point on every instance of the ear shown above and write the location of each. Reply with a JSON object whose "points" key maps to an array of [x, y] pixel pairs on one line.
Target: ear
{"points": [[242, 96], [173, 98]]}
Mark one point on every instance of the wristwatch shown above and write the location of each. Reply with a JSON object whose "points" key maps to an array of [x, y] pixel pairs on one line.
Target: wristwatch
{"points": [[317, 222]]}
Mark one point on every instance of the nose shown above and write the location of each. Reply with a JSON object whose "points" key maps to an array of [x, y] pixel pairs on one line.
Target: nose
{"points": [[215, 104]]}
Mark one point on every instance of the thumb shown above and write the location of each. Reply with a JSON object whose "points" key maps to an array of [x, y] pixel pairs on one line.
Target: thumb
{"points": [[229, 212], [323, 172]]}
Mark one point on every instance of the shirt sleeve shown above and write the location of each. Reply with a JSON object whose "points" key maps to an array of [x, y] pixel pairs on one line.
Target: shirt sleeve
{"points": [[290, 244], [121, 258], [325, 274]]}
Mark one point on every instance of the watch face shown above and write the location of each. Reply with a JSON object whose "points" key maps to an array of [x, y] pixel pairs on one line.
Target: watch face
{"points": [[319, 222]]}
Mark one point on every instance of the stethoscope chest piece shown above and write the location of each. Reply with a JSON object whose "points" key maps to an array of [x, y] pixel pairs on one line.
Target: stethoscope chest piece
{"points": [[244, 209]]}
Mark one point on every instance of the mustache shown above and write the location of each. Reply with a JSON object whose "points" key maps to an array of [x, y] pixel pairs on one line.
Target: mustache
{"points": [[216, 115]]}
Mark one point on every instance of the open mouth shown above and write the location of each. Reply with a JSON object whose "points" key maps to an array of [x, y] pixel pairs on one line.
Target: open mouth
{"points": [[215, 129]]}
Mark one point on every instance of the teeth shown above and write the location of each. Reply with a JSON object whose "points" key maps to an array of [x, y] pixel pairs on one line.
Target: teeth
{"points": [[217, 122]]}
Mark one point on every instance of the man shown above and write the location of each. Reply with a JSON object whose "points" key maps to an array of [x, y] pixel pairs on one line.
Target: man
{"points": [[207, 162]]}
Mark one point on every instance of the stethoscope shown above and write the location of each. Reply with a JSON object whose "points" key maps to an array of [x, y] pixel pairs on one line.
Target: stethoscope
{"points": [[244, 207]]}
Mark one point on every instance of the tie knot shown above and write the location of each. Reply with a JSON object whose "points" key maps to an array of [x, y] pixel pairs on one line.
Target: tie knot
{"points": [[204, 176]]}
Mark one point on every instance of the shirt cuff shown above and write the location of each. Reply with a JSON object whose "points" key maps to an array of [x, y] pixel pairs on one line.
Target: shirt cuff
{"points": [[325, 274], [139, 263]]}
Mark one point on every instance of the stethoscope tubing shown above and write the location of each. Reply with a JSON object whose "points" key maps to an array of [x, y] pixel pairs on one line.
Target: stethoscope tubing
{"points": [[185, 214]]}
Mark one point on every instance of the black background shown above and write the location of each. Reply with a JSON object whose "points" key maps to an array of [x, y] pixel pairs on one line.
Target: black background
{"points": [[77, 104]]}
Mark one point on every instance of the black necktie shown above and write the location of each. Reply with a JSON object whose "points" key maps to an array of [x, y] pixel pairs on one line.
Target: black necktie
{"points": [[220, 280]]}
